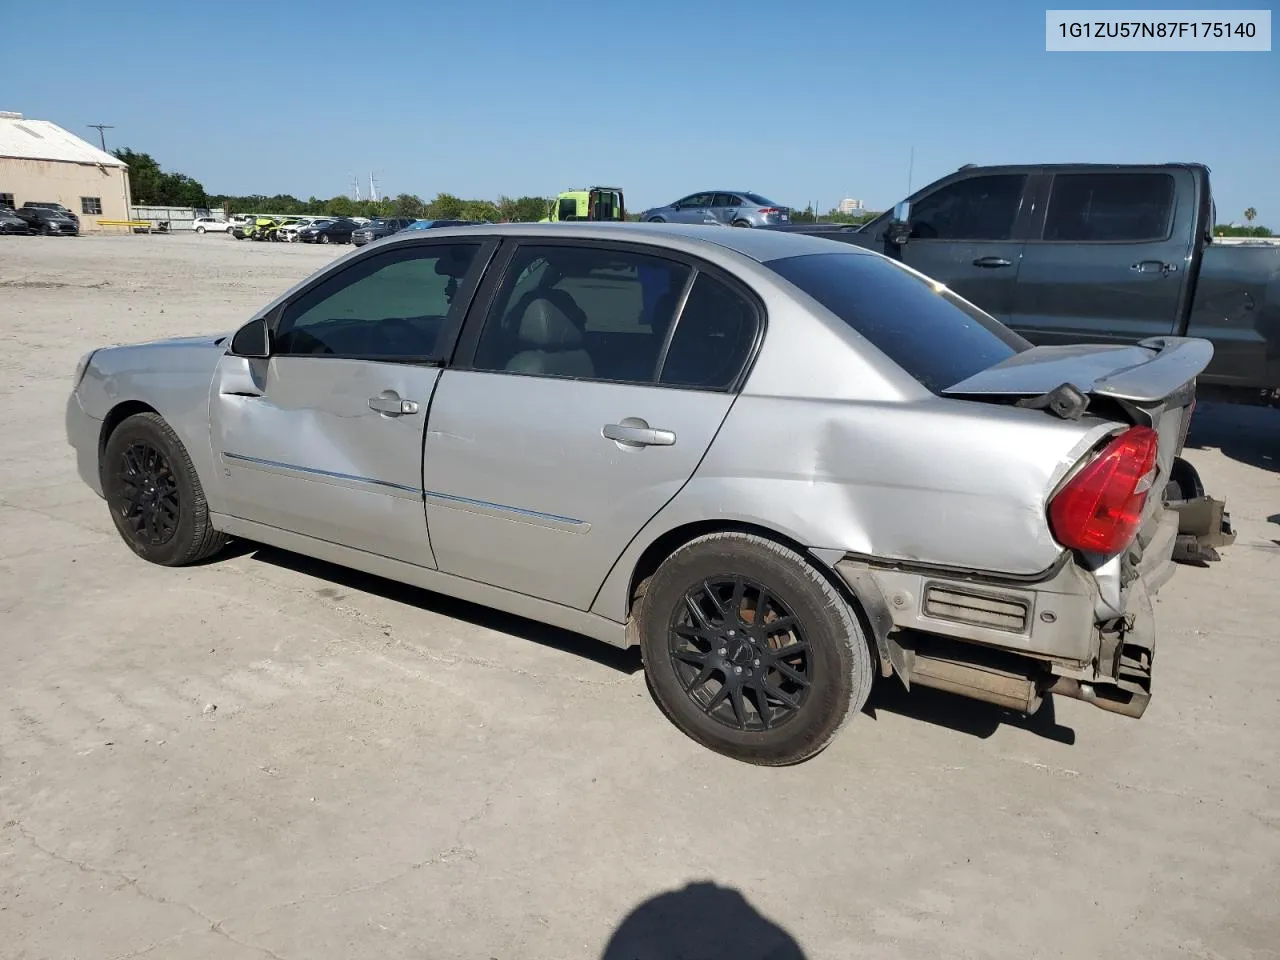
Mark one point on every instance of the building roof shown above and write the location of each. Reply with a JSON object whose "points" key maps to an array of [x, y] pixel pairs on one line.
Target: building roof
{"points": [[42, 140]]}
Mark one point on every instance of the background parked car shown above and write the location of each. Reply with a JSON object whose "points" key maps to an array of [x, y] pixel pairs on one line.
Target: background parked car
{"points": [[255, 228], [337, 230], [210, 225], [57, 207], [49, 221], [734, 208], [432, 224], [10, 222], [379, 228], [289, 230]]}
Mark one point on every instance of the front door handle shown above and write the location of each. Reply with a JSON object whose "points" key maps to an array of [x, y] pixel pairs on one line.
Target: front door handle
{"points": [[1154, 266], [636, 433], [392, 406], [992, 262]]}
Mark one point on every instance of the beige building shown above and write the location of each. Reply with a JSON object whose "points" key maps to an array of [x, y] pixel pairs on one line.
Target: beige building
{"points": [[41, 162]]}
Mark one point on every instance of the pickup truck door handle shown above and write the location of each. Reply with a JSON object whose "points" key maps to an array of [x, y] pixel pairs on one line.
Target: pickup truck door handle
{"points": [[392, 406], [1154, 266], [636, 433], [992, 262]]}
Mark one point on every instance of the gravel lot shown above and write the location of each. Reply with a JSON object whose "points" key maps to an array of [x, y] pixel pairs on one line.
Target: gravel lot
{"points": [[391, 774]]}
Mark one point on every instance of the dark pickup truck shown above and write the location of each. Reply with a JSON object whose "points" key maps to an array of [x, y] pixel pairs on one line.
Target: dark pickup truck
{"points": [[1101, 253]]}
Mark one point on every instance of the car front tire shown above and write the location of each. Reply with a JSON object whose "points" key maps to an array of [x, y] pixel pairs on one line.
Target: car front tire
{"points": [[156, 500], [200, 230], [751, 651]]}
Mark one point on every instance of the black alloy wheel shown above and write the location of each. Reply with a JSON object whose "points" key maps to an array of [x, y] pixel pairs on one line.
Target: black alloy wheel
{"points": [[750, 649], [157, 503], [149, 501], [740, 654]]}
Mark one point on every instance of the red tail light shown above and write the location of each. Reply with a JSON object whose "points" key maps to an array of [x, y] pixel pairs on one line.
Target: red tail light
{"points": [[1100, 508], [768, 210]]}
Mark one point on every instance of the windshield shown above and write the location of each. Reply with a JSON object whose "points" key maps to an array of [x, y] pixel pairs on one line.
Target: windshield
{"points": [[925, 329]]}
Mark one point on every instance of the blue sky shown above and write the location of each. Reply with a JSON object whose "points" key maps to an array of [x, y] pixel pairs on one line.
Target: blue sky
{"points": [[808, 100]]}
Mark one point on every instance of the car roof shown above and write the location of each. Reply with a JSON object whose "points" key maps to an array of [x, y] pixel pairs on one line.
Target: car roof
{"points": [[758, 245]]}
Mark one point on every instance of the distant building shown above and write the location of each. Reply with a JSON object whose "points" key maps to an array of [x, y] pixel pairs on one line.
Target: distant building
{"points": [[850, 205], [43, 163]]}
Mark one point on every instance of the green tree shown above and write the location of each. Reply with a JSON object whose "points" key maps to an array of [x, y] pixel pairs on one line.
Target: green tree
{"points": [[340, 206], [522, 210], [480, 210], [444, 207], [407, 205], [1250, 215], [150, 185]]}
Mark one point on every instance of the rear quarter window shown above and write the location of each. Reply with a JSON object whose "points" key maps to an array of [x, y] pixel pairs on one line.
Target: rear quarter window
{"points": [[928, 331]]}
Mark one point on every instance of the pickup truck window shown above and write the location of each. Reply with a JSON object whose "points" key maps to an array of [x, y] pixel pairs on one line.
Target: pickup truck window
{"points": [[925, 329], [1109, 207], [976, 208]]}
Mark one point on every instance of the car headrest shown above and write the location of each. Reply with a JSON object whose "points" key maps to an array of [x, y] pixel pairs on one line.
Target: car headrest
{"points": [[545, 325]]}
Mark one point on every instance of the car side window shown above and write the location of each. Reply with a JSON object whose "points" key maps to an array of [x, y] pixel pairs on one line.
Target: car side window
{"points": [[727, 200], [1109, 207], [976, 208], [696, 200], [713, 337], [390, 306], [585, 312]]}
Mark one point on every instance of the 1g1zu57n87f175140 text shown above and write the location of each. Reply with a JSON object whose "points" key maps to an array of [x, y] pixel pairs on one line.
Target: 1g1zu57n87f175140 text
{"points": [[1158, 30]]}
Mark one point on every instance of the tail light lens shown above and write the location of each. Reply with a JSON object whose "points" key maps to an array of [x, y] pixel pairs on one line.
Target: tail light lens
{"points": [[768, 210], [1100, 508]]}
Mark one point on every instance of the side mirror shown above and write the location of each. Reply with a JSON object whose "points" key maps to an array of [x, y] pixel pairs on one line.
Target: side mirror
{"points": [[900, 226], [252, 340]]}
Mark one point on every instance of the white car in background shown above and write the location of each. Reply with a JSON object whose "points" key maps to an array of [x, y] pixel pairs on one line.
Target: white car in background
{"points": [[290, 230], [204, 225]]}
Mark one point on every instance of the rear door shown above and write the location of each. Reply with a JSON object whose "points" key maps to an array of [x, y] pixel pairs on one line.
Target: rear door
{"points": [[963, 235], [725, 207], [1111, 257], [549, 448]]}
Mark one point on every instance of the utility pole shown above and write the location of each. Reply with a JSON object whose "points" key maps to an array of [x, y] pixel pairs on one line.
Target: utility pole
{"points": [[100, 127]]}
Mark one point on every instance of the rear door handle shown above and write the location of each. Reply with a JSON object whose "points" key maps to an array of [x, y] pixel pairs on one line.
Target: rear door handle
{"points": [[392, 406], [992, 262], [637, 433], [1154, 266]]}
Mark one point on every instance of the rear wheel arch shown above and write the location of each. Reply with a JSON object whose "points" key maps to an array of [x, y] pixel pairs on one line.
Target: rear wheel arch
{"points": [[672, 540]]}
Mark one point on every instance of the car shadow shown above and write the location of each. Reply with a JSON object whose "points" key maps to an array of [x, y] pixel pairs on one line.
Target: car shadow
{"points": [[624, 661], [961, 714], [702, 920], [1248, 434]]}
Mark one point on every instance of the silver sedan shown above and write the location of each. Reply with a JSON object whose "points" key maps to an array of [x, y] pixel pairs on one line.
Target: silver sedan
{"points": [[780, 465]]}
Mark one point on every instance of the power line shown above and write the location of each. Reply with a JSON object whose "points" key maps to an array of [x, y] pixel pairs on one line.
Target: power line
{"points": [[100, 127]]}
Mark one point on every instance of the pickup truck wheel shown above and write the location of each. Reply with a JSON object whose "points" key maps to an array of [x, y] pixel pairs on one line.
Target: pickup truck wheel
{"points": [[751, 651], [155, 497]]}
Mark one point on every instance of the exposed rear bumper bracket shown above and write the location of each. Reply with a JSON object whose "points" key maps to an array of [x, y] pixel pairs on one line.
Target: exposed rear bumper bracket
{"points": [[1203, 526]]}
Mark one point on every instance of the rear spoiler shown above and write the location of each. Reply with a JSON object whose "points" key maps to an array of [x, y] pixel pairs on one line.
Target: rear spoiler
{"points": [[1146, 372]]}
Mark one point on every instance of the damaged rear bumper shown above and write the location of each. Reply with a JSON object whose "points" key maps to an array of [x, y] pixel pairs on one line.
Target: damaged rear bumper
{"points": [[1009, 643]]}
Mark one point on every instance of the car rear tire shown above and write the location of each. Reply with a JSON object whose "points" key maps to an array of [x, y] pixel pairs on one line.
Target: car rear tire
{"points": [[742, 223], [771, 695], [657, 220], [156, 500]]}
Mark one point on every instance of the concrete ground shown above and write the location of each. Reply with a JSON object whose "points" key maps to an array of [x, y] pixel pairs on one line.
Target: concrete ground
{"points": [[391, 774]]}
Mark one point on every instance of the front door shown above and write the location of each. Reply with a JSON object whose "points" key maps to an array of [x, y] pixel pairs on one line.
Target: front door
{"points": [[1112, 260], [962, 236], [695, 208], [324, 437], [570, 420]]}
